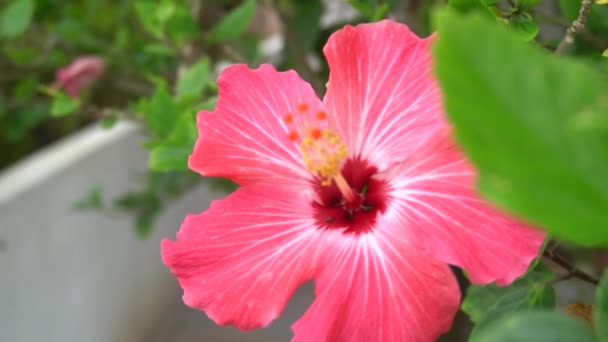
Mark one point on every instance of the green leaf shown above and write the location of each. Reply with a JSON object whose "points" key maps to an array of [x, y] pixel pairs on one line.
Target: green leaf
{"points": [[17, 123], [524, 25], [16, 17], [381, 12], [193, 80], [164, 10], [26, 88], [208, 104], [540, 326], [485, 304], [64, 105], [600, 311], [220, 184], [172, 154], [146, 204], [365, 8], [161, 112], [158, 49], [169, 157], [234, 23], [181, 27], [521, 115], [372, 10], [121, 40], [21, 55], [147, 14], [92, 200]]}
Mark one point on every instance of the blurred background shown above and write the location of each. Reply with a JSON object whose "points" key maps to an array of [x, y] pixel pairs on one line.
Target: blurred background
{"points": [[97, 107]]}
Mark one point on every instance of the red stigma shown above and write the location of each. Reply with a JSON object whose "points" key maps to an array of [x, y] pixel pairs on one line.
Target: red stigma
{"points": [[321, 115], [315, 133]]}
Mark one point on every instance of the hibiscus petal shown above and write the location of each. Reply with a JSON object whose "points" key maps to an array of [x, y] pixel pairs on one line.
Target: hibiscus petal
{"points": [[381, 92], [242, 259], [245, 138], [377, 288], [434, 197]]}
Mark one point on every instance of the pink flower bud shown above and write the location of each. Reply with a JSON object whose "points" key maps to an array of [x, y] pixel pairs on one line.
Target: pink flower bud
{"points": [[81, 73]]}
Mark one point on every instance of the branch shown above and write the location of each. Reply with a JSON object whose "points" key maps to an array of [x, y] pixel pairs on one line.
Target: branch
{"points": [[572, 271], [575, 27]]}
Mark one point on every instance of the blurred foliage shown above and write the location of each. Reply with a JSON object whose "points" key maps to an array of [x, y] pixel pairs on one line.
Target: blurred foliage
{"points": [[537, 326], [535, 124], [529, 138], [485, 304]]}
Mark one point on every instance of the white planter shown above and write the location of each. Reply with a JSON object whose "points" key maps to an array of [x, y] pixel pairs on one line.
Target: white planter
{"points": [[84, 276]]}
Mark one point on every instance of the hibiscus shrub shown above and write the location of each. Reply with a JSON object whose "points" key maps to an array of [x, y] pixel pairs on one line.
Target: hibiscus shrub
{"points": [[438, 169]]}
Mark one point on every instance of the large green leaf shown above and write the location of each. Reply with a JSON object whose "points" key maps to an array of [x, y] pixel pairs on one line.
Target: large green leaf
{"points": [[600, 312], [485, 304], [540, 326], [532, 124], [16, 17], [234, 23]]}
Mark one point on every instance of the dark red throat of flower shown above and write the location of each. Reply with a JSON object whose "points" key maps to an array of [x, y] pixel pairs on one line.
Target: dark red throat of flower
{"points": [[352, 216]]}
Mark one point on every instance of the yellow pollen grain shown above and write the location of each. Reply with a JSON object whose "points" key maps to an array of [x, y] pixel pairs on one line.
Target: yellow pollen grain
{"points": [[324, 155]]}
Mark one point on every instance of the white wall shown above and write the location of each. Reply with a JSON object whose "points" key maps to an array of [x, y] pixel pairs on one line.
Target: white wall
{"points": [[84, 276], [74, 276]]}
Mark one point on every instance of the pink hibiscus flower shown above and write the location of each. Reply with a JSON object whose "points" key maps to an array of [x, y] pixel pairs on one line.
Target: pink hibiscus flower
{"points": [[364, 192], [80, 74]]}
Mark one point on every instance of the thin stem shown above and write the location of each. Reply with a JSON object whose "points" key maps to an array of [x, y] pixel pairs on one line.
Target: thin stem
{"points": [[572, 271], [575, 27], [560, 278]]}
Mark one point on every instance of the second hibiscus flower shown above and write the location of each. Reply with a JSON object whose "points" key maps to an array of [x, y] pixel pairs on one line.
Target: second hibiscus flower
{"points": [[364, 192]]}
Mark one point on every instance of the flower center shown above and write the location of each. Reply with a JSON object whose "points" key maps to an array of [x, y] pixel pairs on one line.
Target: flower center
{"points": [[348, 197], [322, 149], [333, 210]]}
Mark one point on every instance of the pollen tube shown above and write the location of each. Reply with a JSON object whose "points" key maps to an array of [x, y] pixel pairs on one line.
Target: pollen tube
{"points": [[344, 188]]}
